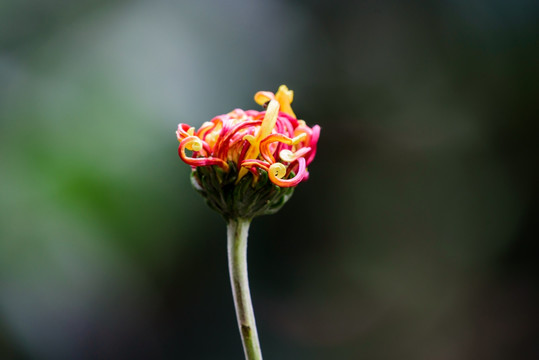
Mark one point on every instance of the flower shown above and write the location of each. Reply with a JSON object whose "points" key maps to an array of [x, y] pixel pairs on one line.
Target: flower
{"points": [[271, 143]]}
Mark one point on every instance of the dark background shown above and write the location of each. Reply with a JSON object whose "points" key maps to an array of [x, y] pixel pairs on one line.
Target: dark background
{"points": [[415, 237]]}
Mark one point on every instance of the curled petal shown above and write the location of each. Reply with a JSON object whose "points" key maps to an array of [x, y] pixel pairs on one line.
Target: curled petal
{"points": [[303, 128], [277, 170], [208, 127], [285, 97], [257, 163], [265, 144], [195, 144], [274, 171], [262, 97], [289, 156], [287, 123], [313, 143], [184, 131], [250, 138], [252, 164]]}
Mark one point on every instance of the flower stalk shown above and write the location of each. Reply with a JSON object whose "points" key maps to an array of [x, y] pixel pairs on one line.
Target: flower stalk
{"points": [[247, 163], [237, 231]]}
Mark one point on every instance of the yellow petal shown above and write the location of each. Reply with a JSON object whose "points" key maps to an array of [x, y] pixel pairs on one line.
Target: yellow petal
{"points": [[263, 97], [267, 126], [285, 97]]}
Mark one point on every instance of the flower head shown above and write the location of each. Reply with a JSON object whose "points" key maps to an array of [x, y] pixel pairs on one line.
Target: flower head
{"points": [[250, 147]]}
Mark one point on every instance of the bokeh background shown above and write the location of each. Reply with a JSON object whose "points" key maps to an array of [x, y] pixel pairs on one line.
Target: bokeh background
{"points": [[415, 237]]}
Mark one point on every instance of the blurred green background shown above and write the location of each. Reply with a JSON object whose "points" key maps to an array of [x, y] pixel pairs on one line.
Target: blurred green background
{"points": [[415, 237]]}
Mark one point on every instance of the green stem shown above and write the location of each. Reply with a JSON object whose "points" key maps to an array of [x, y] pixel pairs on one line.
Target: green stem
{"points": [[237, 231]]}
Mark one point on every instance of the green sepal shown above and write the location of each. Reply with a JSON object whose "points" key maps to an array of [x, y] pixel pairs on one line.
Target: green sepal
{"points": [[246, 199]]}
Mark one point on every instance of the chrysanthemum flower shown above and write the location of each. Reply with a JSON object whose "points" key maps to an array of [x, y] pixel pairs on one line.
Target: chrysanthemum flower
{"points": [[245, 164], [271, 143]]}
